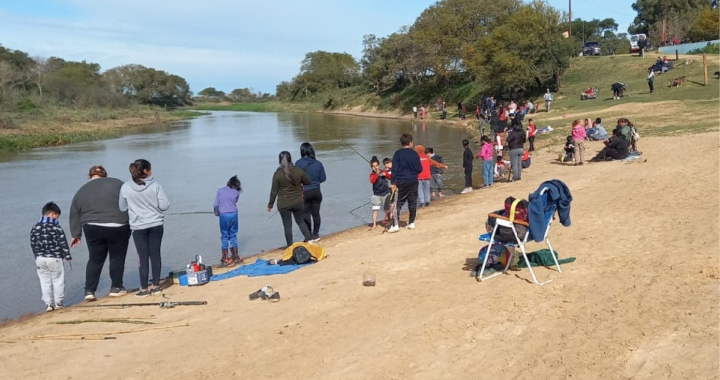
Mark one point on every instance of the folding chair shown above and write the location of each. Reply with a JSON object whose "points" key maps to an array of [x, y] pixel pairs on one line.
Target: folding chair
{"points": [[504, 221]]}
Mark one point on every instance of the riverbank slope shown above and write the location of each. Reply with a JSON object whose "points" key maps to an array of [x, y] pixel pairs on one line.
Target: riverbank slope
{"points": [[60, 126], [639, 302]]}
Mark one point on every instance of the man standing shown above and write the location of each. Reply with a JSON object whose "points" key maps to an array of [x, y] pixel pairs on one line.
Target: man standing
{"points": [[415, 112], [548, 100], [406, 167], [642, 44]]}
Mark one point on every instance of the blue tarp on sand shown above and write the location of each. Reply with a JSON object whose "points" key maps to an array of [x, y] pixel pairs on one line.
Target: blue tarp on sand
{"points": [[257, 269]]}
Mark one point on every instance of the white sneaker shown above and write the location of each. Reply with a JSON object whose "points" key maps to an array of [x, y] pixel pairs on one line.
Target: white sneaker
{"points": [[59, 306], [464, 191], [411, 226], [470, 189], [49, 308], [393, 229]]}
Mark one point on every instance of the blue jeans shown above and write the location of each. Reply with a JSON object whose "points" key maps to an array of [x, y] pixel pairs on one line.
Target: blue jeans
{"points": [[423, 192], [488, 171], [228, 230]]}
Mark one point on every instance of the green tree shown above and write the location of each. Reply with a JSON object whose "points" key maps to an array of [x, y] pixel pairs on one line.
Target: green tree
{"points": [[526, 51], [323, 70], [707, 25], [650, 12]]}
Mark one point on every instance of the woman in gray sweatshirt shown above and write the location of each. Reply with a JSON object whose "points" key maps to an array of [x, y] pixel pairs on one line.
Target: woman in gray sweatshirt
{"points": [[145, 201]]}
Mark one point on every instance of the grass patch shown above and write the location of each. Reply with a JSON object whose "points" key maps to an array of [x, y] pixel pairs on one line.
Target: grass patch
{"points": [[187, 114], [22, 142]]}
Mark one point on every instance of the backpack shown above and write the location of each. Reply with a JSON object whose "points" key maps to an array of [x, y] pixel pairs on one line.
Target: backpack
{"points": [[301, 255]]}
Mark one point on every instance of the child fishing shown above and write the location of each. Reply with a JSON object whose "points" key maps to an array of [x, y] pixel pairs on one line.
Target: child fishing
{"points": [[467, 166], [436, 178], [381, 189], [50, 247], [225, 208]]}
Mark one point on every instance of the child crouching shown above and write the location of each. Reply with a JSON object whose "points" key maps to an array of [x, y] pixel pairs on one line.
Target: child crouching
{"points": [[50, 247]]}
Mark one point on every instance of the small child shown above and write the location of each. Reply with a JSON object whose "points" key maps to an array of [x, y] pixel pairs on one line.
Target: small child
{"points": [[390, 214], [486, 154], [436, 181], [531, 131], [381, 188], [225, 207], [569, 149], [50, 247], [467, 166], [501, 167]]}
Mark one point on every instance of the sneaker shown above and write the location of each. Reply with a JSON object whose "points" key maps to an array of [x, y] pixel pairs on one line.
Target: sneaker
{"points": [[316, 238], [142, 293], [90, 296], [117, 292], [464, 191], [155, 290], [393, 229], [49, 308], [470, 189], [427, 204], [59, 306], [411, 226]]}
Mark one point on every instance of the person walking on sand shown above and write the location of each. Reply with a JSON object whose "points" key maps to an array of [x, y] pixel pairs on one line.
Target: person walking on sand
{"points": [[406, 168], [415, 112], [467, 166], [287, 183], [145, 201], [311, 193], [579, 135], [50, 247], [95, 211], [225, 208], [548, 100]]}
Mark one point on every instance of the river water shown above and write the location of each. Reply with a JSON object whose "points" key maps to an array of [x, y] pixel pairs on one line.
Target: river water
{"points": [[192, 160]]}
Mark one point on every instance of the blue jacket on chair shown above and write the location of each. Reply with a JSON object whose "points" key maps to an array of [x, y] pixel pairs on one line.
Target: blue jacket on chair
{"points": [[557, 195]]}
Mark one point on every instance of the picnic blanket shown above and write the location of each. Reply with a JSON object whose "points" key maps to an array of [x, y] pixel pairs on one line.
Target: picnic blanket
{"points": [[633, 156], [257, 269]]}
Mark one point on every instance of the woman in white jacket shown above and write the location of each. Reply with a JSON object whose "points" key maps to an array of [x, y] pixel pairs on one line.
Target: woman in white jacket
{"points": [[145, 202]]}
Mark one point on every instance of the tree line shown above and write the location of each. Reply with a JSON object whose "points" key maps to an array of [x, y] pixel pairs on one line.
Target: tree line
{"points": [[695, 20], [502, 45], [27, 83], [238, 95]]}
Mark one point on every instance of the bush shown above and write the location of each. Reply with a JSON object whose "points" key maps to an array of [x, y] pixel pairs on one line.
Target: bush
{"points": [[708, 49], [25, 105]]}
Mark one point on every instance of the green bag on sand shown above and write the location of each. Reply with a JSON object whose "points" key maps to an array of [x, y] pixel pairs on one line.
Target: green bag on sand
{"points": [[542, 258]]}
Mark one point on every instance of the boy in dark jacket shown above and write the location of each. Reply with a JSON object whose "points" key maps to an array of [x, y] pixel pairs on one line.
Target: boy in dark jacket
{"points": [[467, 166], [406, 167], [50, 247]]}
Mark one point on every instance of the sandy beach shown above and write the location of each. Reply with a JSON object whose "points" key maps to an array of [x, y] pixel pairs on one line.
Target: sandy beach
{"points": [[640, 301]]}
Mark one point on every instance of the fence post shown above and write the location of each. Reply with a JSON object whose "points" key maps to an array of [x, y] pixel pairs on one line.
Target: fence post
{"points": [[677, 57], [705, 68]]}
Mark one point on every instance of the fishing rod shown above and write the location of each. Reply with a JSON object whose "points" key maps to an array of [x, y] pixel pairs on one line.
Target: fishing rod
{"points": [[191, 213], [363, 205], [163, 304], [345, 143]]}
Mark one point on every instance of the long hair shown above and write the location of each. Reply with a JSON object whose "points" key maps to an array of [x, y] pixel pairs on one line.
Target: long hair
{"points": [[306, 150], [286, 165], [234, 183], [137, 170], [97, 170]]}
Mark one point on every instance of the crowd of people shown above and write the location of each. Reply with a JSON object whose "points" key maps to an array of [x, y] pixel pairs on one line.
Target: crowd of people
{"points": [[618, 146]]}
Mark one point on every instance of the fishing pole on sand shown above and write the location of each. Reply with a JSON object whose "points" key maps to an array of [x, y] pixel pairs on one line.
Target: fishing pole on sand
{"points": [[162, 305]]}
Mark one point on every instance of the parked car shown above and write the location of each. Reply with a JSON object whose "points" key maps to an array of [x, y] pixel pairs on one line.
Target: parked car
{"points": [[634, 42], [592, 48]]}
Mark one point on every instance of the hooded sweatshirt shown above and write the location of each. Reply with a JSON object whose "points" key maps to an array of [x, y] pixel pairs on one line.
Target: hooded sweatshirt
{"points": [[145, 203], [314, 169]]}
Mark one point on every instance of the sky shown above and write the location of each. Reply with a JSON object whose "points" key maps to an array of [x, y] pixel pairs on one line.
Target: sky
{"points": [[225, 44]]}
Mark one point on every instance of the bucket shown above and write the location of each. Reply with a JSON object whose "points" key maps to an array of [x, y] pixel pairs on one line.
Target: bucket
{"points": [[182, 279]]}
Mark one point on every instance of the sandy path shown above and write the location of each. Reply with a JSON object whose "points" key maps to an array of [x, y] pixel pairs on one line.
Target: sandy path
{"points": [[640, 302]]}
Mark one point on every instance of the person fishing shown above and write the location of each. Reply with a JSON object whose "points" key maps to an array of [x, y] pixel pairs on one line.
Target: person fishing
{"points": [[94, 210], [311, 193], [145, 201], [225, 208], [287, 183]]}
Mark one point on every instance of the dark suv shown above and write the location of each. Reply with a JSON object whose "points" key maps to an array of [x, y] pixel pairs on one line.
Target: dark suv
{"points": [[592, 48]]}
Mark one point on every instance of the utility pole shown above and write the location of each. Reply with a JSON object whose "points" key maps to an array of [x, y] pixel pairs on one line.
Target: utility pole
{"points": [[569, 18], [664, 33]]}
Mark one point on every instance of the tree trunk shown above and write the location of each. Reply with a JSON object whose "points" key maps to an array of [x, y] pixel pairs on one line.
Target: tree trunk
{"points": [[39, 89]]}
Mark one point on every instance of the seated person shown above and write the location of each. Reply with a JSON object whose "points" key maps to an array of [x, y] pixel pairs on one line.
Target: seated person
{"points": [[657, 67], [615, 148], [569, 150], [526, 160], [588, 94], [597, 132], [502, 167]]}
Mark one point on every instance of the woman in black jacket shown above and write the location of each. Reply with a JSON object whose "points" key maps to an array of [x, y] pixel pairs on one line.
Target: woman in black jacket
{"points": [[516, 141]]}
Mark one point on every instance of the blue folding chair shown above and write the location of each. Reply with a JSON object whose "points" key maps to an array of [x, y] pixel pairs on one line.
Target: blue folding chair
{"points": [[520, 241]]}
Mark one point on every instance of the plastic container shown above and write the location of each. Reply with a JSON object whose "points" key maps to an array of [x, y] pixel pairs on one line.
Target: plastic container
{"points": [[198, 278], [368, 279], [183, 280]]}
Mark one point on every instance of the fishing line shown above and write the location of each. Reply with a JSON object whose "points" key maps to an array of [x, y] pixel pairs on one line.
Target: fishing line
{"points": [[356, 208], [345, 143]]}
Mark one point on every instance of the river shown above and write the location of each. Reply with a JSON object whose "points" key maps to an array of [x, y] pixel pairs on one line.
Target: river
{"points": [[192, 160]]}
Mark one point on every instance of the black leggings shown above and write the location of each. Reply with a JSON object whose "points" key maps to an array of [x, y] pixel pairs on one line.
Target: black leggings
{"points": [[313, 198], [468, 177], [531, 139], [147, 244], [608, 152], [407, 192], [103, 242], [294, 211]]}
